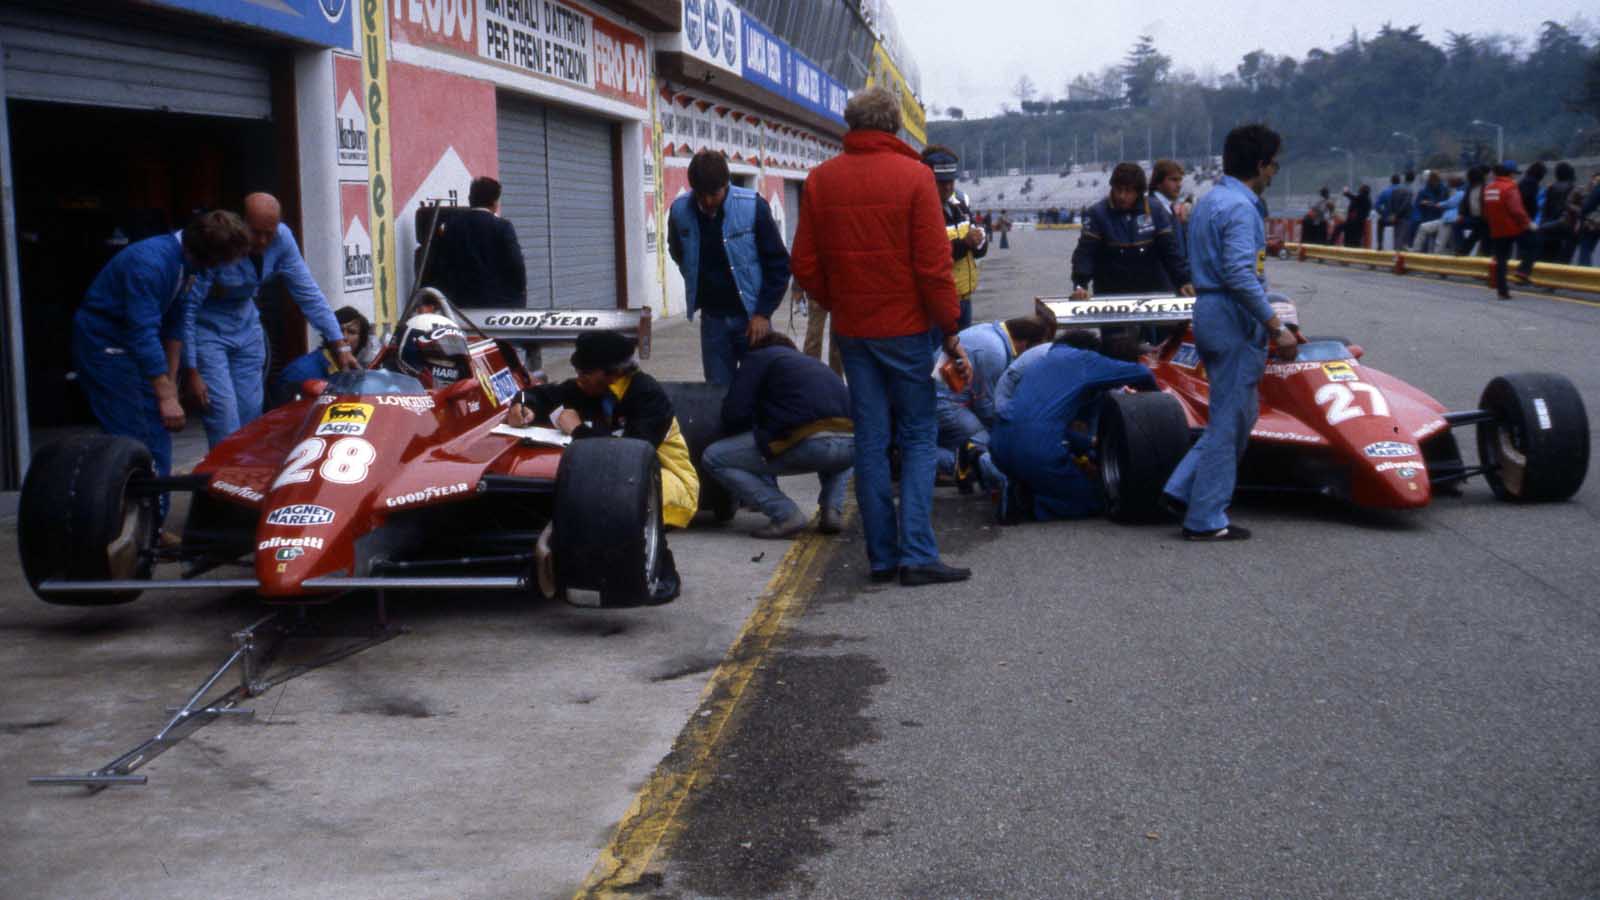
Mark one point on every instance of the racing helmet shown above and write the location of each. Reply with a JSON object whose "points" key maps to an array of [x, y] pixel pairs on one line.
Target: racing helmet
{"points": [[433, 348]]}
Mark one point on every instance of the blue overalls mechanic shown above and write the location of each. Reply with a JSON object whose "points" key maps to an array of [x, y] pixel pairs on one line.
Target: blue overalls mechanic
{"points": [[965, 416], [1128, 244], [225, 349], [1232, 320], [128, 331], [1043, 444]]}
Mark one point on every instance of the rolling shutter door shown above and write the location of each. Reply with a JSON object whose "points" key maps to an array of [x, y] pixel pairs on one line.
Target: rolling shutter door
{"points": [[582, 211], [60, 59], [525, 194], [556, 170]]}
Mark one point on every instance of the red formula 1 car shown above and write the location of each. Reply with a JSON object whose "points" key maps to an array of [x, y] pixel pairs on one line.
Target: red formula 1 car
{"points": [[1328, 424], [376, 479]]}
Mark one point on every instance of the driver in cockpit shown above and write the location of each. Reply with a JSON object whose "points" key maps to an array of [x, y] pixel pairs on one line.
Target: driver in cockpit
{"points": [[433, 349]]}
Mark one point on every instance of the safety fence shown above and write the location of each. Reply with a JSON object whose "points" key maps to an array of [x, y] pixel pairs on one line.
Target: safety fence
{"points": [[1058, 226], [1477, 268]]}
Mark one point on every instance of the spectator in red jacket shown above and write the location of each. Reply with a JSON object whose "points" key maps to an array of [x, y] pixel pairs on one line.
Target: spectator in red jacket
{"points": [[871, 249], [1509, 225]]}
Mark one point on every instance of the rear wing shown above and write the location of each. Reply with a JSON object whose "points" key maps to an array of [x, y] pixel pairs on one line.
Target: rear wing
{"points": [[562, 326], [1116, 309]]}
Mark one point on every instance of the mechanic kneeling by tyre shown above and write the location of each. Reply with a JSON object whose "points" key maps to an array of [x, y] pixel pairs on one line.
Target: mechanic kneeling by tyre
{"points": [[610, 397], [1048, 477], [788, 414]]}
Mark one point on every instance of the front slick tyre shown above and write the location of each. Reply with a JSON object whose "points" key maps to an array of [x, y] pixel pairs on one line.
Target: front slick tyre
{"points": [[77, 519], [607, 535], [1537, 447]]}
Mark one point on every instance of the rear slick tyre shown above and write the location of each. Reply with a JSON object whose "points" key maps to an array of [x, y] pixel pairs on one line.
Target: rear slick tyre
{"points": [[698, 409], [1537, 447], [1142, 437], [607, 533], [78, 521]]}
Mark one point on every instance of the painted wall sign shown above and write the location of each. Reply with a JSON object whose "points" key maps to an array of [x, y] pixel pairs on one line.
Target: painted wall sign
{"points": [[351, 140], [325, 22], [548, 39], [375, 80]]}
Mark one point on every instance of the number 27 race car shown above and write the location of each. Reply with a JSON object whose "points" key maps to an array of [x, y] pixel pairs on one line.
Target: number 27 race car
{"points": [[1328, 425]]}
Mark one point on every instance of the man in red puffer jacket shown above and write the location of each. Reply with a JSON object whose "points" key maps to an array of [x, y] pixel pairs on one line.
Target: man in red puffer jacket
{"points": [[871, 249], [1508, 225]]}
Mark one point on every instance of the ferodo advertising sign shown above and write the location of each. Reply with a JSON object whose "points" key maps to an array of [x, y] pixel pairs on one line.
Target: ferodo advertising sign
{"points": [[548, 39], [886, 73]]}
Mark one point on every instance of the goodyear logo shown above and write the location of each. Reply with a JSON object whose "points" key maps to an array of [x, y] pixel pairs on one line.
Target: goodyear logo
{"points": [[1339, 371], [345, 419]]}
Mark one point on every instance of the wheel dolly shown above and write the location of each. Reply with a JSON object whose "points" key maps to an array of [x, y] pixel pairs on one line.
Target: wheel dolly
{"points": [[254, 648]]}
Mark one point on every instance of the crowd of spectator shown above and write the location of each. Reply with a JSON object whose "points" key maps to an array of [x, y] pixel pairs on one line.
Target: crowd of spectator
{"points": [[1446, 214]]}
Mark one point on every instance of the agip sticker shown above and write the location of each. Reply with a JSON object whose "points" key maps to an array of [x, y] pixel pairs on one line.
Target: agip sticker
{"points": [[1339, 371], [345, 419]]}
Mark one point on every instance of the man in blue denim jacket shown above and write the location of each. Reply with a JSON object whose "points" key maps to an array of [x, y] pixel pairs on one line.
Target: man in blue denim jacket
{"points": [[734, 265], [1232, 320]]}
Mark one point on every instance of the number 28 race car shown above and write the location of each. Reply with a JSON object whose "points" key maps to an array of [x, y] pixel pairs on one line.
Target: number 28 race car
{"points": [[396, 477], [1328, 424]]}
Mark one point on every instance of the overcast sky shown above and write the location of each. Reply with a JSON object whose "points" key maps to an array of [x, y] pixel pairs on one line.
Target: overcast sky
{"points": [[971, 52]]}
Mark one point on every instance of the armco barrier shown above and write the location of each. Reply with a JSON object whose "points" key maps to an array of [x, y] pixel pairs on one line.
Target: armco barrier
{"points": [[1479, 268], [1475, 267], [1058, 226], [1378, 259]]}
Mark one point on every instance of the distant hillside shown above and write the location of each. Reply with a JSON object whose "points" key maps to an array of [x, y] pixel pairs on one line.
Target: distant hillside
{"points": [[1394, 100]]}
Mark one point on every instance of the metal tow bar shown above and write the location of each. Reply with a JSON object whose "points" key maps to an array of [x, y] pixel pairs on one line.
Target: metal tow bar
{"points": [[252, 653]]}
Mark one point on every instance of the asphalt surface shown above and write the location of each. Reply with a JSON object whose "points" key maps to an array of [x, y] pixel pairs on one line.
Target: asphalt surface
{"points": [[1349, 705], [487, 752]]}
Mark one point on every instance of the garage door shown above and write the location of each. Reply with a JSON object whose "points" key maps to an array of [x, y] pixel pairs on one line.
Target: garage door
{"points": [[86, 61], [556, 171]]}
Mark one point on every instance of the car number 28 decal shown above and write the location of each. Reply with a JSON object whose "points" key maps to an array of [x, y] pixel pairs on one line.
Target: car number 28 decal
{"points": [[347, 463], [1340, 398]]}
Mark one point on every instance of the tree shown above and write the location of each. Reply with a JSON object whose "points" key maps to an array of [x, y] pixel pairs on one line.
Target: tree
{"points": [[1143, 69], [1589, 94], [1024, 89], [955, 112]]}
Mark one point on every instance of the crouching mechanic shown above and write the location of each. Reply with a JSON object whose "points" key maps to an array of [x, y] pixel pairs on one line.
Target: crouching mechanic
{"points": [[1128, 245], [1044, 442], [789, 415], [224, 347], [966, 416], [128, 332], [610, 397]]}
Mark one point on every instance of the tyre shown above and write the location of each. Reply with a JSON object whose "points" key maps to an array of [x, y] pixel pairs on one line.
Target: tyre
{"points": [[698, 407], [77, 520], [1141, 439], [607, 532], [1537, 447]]}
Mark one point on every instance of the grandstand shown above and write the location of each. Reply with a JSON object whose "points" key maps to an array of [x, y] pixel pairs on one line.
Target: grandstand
{"points": [[1025, 195]]}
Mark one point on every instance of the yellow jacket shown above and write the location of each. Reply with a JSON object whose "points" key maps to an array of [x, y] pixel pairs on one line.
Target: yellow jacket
{"points": [[680, 484], [966, 268]]}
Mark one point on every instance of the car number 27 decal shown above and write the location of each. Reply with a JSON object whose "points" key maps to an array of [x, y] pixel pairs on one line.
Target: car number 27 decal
{"points": [[1340, 398], [348, 461]]}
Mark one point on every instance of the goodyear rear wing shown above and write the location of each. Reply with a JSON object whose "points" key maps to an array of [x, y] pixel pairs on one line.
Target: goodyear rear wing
{"points": [[558, 326], [1116, 309]]}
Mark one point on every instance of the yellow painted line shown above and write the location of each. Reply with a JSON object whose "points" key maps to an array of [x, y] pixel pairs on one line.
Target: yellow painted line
{"points": [[651, 822]]}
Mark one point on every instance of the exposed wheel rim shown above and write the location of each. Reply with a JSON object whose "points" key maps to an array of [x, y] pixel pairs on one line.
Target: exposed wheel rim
{"points": [[1111, 470], [652, 539], [1507, 459], [124, 553]]}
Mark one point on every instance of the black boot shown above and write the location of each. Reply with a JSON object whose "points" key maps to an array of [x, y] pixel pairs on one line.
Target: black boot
{"points": [[668, 586]]}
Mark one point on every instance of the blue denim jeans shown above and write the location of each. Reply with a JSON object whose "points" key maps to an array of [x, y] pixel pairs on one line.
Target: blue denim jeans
{"points": [[119, 395], [739, 465], [724, 340], [957, 425], [889, 382], [1233, 346]]}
